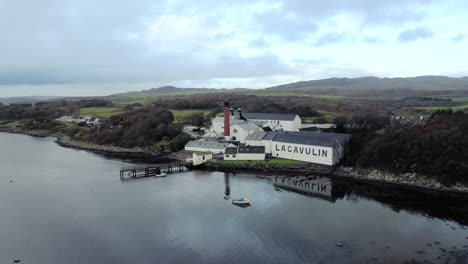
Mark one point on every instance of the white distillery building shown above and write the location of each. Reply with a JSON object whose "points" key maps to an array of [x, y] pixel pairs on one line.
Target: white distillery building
{"points": [[255, 122], [276, 122], [240, 131], [215, 147], [320, 148], [201, 157], [245, 153]]}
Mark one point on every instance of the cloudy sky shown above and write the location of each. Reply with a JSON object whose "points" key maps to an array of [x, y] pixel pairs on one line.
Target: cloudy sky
{"points": [[89, 47]]}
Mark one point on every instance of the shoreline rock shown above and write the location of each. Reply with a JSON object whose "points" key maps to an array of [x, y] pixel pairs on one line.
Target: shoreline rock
{"points": [[408, 180]]}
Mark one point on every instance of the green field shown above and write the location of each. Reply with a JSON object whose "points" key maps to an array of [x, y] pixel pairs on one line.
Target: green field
{"points": [[263, 93], [460, 99], [102, 112], [179, 115], [454, 108], [268, 161], [13, 124]]}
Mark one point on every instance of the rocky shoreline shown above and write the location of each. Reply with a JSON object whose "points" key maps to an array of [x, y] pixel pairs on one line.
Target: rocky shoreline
{"points": [[108, 150], [408, 180], [136, 152]]}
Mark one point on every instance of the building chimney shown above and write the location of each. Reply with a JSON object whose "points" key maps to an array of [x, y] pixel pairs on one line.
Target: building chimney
{"points": [[241, 117], [227, 120]]}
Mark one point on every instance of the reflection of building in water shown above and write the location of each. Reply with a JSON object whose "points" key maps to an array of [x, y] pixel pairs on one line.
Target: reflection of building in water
{"points": [[320, 187], [227, 189]]}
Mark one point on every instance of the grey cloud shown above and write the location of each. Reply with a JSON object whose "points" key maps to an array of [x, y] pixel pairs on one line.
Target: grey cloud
{"points": [[57, 42], [373, 40], [290, 28], [258, 43], [414, 35], [313, 61], [370, 11], [459, 37], [330, 38]]}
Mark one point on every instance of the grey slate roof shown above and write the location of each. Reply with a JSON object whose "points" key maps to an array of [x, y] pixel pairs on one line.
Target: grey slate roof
{"points": [[311, 138], [251, 149], [270, 116], [256, 136], [207, 144], [231, 150], [247, 126]]}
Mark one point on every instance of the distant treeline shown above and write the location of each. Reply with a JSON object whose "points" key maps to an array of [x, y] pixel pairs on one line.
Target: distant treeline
{"points": [[137, 128], [248, 103], [426, 99], [438, 148], [48, 110]]}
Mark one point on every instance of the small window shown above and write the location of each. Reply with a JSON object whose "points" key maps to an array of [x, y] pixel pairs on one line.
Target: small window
{"points": [[203, 157], [227, 156], [233, 156]]}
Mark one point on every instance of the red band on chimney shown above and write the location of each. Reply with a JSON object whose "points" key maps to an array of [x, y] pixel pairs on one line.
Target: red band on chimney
{"points": [[227, 124]]}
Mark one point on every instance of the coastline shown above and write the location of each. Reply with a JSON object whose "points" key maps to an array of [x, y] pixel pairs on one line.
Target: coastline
{"points": [[108, 150], [402, 181], [370, 176]]}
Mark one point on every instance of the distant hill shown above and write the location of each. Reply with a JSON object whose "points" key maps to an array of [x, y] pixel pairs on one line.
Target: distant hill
{"points": [[26, 99], [371, 83]]}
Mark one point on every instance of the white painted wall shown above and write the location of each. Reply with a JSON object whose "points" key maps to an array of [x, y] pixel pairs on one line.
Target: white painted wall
{"points": [[215, 151], [314, 154], [230, 156], [240, 134], [201, 158], [250, 156], [245, 156], [284, 125]]}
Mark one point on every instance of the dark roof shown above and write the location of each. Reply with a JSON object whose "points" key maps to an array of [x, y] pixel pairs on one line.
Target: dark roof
{"points": [[270, 116], [310, 129], [308, 138], [251, 149], [230, 150]]}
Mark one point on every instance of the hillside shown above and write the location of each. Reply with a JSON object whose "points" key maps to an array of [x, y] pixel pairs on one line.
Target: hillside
{"points": [[426, 83], [23, 99]]}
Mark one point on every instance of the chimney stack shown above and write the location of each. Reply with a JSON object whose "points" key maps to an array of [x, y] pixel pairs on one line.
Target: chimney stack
{"points": [[227, 120], [241, 117]]}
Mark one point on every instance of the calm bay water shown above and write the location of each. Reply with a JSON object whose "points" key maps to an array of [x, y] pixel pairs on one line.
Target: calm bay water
{"points": [[70, 206]]}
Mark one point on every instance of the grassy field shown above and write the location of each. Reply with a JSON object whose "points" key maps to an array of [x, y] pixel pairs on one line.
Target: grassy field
{"points": [[180, 114], [264, 93], [102, 112], [460, 99], [140, 101], [454, 108], [268, 161], [13, 124], [161, 143]]}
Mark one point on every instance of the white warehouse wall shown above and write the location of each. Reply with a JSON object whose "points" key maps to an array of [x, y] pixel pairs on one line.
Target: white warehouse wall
{"points": [[314, 154]]}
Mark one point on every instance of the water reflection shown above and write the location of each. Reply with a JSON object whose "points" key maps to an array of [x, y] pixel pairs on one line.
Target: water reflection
{"points": [[320, 187], [449, 206], [227, 188]]}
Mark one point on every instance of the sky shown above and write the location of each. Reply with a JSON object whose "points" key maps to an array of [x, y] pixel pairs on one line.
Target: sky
{"points": [[89, 47]]}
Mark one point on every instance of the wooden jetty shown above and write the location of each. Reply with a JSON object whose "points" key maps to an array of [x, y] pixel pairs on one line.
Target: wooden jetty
{"points": [[152, 170]]}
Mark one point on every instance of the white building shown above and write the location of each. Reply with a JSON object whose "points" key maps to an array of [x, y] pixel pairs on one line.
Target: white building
{"points": [[66, 119], [240, 131], [320, 148], [201, 157], [215, 147], [264, 121], [285, 122], [245, 153]]}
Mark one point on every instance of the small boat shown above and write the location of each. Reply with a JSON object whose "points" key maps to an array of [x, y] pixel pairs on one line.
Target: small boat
{"points": [[162, 174], [241, 202]]}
